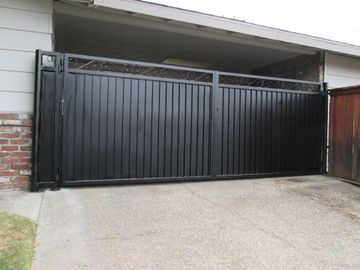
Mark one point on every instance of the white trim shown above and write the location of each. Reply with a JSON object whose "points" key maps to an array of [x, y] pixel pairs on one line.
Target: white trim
{"points": [[226, 24]]}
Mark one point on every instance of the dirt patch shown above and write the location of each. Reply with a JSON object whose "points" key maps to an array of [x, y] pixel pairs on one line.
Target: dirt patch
{"points": [[324, 195], [297, 180], [354, 217], [356, 198]]}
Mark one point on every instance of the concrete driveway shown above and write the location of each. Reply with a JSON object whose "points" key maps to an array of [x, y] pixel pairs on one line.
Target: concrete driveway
{"points": [[279, 223]]}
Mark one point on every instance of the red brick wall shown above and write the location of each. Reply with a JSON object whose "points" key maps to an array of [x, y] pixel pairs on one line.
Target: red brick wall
{"points": [[15, 151]]}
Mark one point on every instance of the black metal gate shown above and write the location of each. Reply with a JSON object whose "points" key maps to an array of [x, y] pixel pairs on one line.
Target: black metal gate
{"points": [[100, 120]]}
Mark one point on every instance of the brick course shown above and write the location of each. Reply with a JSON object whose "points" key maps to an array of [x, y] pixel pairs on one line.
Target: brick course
{"points": [[15, 151]]}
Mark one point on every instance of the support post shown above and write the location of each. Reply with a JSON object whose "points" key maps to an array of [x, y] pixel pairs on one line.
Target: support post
{"points": [[36, 121], [215, 116], [325, 129]]}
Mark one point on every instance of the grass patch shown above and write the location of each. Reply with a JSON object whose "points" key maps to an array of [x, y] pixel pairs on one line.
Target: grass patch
{"points": [[17, 235]]}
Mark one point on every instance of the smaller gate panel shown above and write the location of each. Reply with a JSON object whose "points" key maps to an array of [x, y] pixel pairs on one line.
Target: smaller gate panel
{"points": [[269, 132], [47, 163], [127, 128], [46, 156]]}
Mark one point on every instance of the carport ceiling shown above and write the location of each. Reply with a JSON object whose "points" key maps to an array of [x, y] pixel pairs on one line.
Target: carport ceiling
{"points": [[109, 39]]}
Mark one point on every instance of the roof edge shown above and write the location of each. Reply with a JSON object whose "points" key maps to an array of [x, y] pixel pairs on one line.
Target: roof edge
{"points": [[228, 24]]}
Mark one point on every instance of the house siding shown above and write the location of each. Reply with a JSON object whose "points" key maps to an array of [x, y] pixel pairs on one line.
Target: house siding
{"points": [[24, 27], [341, 71]]}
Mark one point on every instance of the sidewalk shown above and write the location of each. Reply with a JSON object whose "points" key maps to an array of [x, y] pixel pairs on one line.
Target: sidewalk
{"points": [[23, 203]]}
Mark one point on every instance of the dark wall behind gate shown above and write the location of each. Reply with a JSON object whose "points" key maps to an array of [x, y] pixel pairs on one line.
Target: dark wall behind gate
{"points": [[107, 127]]}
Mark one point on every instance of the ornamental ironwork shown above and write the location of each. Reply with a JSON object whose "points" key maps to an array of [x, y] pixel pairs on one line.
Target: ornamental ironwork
{"points": [[139, 69], [179, 73], [48, 61], [268, 82]]}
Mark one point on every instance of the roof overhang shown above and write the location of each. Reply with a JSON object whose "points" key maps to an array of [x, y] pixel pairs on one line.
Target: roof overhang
{"points": [[83, 28], [231, 26]]}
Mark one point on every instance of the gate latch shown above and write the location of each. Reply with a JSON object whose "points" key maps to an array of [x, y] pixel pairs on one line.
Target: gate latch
{"points": [[61, 65], [55, 186], [62, 106]]}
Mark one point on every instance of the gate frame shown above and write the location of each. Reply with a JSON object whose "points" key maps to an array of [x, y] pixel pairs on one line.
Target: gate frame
{"points": [[61, 69]]}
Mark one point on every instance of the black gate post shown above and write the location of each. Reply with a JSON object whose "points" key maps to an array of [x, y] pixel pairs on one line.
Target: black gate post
{"points": [[325, 98], [36, 122], [215, 120]]}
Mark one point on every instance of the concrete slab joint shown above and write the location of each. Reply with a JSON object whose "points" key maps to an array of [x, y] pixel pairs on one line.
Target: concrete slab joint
{"points": [[15, 154]]}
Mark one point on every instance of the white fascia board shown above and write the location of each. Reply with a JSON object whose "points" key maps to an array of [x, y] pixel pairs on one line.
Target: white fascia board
{"points": [[226, 24]]}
